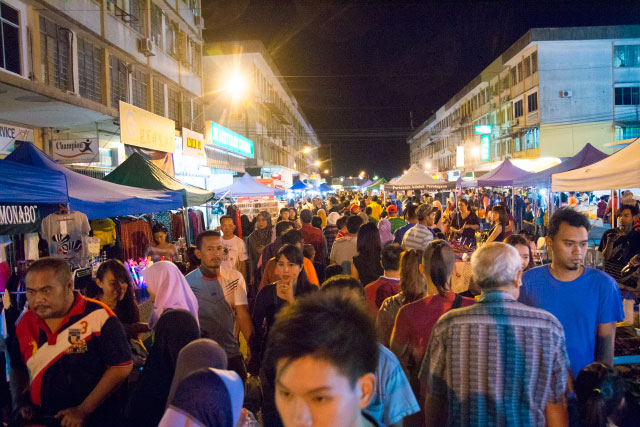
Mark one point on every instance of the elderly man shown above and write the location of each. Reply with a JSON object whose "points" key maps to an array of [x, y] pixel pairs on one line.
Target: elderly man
{"points": [[69, 355], [497, 362]]}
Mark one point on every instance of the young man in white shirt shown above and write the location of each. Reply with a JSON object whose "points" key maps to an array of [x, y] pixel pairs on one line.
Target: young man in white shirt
{"points": [[235, 250]]}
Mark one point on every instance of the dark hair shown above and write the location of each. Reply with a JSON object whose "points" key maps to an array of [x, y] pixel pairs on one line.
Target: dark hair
{"points": [[368, 210], [293, 254], [570, 216], [291, 237], [503, 219], [410, 211], [316, 222], [343, 281], [632, 208], [374, 198], [411, 281], [517, 239], [333, 200], [126, 309], [333, 326], [228, 217], [308, 250], [341, 222], [284, 210], [384, 214], [353, 224], [463, 200], [438, 215], [295, 214], [599, 390], [305, 216], [368, 244], [390, 257], [332, 270], [282, 226], [191, 256], [58, 266], [204, 235], [439, 261], [159, 228]]}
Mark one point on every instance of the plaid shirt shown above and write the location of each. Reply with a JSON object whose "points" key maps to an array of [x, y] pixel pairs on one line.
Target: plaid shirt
{"points": [[498, 362]]}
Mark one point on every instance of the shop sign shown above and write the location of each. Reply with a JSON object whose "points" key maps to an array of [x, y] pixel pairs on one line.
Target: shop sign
{"points": [[141, 128], [229, 140], [482, 129], [460, 156], [485, 144], [10, 134], [19, 218], [192, 143], [76, 150]]}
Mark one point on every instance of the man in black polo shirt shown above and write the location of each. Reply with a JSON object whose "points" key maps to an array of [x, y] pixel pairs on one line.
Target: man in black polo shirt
{"points": [[70, 353]]}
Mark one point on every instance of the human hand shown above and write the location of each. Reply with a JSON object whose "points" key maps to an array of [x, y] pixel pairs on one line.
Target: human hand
{"points": [[6, 300], [25, 412], [72, 417]]}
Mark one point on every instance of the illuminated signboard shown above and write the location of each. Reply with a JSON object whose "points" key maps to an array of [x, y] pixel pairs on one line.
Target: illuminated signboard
{"points": [[229, 140], [485, 144], [482, 129]]}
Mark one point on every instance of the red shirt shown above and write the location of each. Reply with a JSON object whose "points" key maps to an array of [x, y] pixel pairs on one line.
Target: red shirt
{"points": [[378, 291], [314, 236]]}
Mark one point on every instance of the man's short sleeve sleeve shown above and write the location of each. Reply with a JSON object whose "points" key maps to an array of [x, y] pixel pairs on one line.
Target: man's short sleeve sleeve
{"points": [[559, 371], [242, 250], [114, 346], [240, 295], [398, 398], [610, 305]]}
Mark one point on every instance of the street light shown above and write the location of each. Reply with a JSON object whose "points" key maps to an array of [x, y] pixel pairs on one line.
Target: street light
{"points": [[326, 171], [236, 85], [306, 150], [317, 163]]}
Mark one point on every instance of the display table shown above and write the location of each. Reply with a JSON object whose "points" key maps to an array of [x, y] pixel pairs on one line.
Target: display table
{"points": [[461, 276], [627, 358]]}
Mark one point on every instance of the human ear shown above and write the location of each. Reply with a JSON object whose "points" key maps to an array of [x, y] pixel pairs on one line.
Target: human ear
{"points": [[367, 386], [518, 281]]}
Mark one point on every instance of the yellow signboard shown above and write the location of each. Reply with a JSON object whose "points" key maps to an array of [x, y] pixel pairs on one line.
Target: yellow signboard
{"points": [[141, 128]]}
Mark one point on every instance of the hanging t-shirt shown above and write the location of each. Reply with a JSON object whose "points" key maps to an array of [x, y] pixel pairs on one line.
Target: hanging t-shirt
{"points": [[105, 230], [66, 234], [234, 251]]}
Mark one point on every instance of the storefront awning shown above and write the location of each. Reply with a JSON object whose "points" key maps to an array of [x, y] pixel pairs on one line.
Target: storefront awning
{"points": [[222, 160]]}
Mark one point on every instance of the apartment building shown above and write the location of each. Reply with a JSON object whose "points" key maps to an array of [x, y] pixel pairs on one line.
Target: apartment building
{"points": [[244, 92], [550, 93], [68, 64]]}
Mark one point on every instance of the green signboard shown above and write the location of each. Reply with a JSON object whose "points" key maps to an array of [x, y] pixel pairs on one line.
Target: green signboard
{"points": [[16, 218], [228, 140], [482, 129], [485, 148]]}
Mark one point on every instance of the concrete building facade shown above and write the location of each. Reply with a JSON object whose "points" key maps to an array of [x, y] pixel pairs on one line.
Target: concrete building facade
{"points": [[550, 93]]}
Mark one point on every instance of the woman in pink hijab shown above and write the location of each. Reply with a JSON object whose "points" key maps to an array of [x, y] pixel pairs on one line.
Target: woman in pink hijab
{"points": [[384, 226], [168, 289]]}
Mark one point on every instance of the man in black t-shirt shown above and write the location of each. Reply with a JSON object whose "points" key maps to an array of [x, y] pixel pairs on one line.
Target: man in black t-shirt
{"points": [[619, 245]]}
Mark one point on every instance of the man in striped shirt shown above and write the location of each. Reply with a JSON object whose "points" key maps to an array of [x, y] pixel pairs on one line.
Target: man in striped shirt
{"points": [[498, 362], [420, 236]]}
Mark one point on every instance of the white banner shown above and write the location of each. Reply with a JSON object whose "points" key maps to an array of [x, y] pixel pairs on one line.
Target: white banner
{"points": [[192, 143], [76, 150], [10, 134]]}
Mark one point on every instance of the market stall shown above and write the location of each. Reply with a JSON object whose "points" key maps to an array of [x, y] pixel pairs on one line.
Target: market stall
{"points": [[251, 196], [504, 175], [417, 179]]}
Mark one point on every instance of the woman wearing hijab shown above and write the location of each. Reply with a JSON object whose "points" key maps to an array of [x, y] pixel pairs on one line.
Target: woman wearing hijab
{"points": [[175, 329], [331, 229], [262, 235], [168, 289], [384, 227], [323, 216]]}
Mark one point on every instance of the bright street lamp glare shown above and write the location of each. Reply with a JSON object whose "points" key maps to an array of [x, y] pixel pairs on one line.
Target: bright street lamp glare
{"points": [[326, 171], [236, 85], [306, 150], [316, 163]]}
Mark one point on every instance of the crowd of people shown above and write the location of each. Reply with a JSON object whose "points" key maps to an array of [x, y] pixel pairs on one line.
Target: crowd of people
{"points": [[338, 312]]}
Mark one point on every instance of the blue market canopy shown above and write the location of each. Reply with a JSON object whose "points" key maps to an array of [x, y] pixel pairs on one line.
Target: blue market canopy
{"points": [[325, 188], [246, 186], [96, 198], [299, 186], [27, 184]]}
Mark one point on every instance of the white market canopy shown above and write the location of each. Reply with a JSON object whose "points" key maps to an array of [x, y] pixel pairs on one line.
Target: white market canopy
{"points": [[619, 170], [417, 179]]}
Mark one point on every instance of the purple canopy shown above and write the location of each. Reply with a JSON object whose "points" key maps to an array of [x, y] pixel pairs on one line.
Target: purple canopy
{"points": [[504, 175], [585, 157]]}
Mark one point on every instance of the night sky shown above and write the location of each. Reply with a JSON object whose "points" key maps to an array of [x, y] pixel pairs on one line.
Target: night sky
{"points": [[360, 71]]}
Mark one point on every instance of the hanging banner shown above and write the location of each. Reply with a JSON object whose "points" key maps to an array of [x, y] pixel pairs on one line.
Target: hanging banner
{"points": [[192, 143], [19, 218], [76, 150], [10, 134], [159, 158], [141, 128]]}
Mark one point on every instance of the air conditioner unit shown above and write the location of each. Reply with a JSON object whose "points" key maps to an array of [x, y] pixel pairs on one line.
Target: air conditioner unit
{"points": [[565, 94], [145, 46]]}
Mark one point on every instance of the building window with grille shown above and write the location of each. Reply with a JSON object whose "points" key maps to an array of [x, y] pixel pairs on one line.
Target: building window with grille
{"points": [[170, 39], [156, 25], [186, 112], [10, 32], [158, 97], [514, 76], [534, 62], [174, 105], [519, 72], [626, 56], [90, 70], [139, 89], [627, 132], [517, 109], [56, 54], [198, 117], [196, 56], [532, 102], [527, 66], [628, 95], [119, 78], [137, 9]]}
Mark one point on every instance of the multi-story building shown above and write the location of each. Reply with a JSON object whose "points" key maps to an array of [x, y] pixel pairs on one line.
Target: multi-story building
{"points": [[245, 92], [67, 64], [550, 93]]}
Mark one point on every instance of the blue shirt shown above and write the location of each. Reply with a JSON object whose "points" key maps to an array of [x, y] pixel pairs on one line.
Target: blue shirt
{"points": [[399, 233], [581, 305]]}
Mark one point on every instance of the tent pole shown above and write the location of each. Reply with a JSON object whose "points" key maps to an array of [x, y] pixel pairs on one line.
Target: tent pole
{"points": [[613, 209], [185, 220]]}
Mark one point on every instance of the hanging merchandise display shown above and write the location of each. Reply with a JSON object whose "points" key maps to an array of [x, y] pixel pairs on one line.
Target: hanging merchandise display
{"points": [[66, 232]]}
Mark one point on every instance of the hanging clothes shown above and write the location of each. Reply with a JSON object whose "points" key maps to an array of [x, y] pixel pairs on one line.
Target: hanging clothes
{"points": [[67, 236], [164, 218], [135, 236], [177, 225], [105, 230]]}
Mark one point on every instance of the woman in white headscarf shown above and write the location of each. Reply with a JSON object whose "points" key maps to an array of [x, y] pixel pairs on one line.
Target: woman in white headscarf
{"points": [[168, 289], [331, 230]]}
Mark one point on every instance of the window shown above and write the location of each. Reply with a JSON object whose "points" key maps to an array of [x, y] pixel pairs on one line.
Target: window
{"points": [[55, 53], [534, 62], [514, 76], [174, 105], [505, 82], [627, 132], [527, 66], [531, 139], [139, 89], [517, 109], [186, 112], [532, 102], [158, 97], [196, 56], [628, 95], [119, 78], [626, 56], [520, 72], [10, 33], [90, 70], [170, 39], [156, 25], [198, 117], [137, 11]]}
